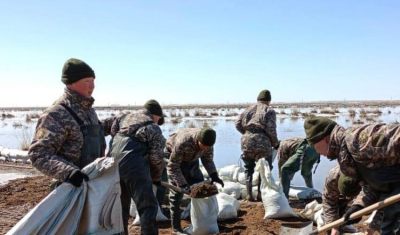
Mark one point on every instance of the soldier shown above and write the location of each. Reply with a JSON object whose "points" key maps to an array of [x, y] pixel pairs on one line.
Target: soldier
{"points": [[368, 153], [335, 202], [295, 154], [257, 124], [184, 148], [68, 135], [138, 145]]}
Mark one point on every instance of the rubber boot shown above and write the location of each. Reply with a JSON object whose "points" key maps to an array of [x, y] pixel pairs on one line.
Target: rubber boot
{"points": [[308, 180], [259, 198], [249, 185]]}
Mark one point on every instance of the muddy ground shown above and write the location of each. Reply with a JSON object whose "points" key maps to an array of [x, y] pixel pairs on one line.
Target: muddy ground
{"points": [[19, 196]]}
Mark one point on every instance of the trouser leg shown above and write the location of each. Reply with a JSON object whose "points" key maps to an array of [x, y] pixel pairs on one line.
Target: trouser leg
{"points": [[249, 165], [126, 205], [391, 214], [308, 180]]}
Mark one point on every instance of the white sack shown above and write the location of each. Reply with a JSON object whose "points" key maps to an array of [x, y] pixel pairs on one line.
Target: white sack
{"points": [[186, 213], [243, 191], [95, 206], [230, 173], [134, 212], [230, 188], [275, 203], [300, 192], [242, 178], [314, 211], [228, 206], [203, 214]]}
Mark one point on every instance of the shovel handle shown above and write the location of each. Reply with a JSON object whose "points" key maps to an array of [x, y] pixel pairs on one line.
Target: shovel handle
{"points": [[376, 206], [173, 187]]}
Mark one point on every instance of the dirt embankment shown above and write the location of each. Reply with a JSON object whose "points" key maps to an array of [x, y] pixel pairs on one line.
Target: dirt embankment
{"points": [[19, 196]]}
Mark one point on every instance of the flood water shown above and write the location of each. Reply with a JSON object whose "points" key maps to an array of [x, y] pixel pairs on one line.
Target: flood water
{"points": [[227, 147]]}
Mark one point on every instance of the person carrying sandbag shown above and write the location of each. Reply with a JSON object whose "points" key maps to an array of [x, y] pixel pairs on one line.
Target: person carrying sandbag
{"points": [[368, 153], [184, 148], [257, 124]]}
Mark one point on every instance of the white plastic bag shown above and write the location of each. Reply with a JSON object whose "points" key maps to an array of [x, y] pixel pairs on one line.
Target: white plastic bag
{"points": [[93, 208], [230, 188], [136, 222], [203, 214], [275, 203], [228, 206], [230, 173], [314, 211], [300, 192]]}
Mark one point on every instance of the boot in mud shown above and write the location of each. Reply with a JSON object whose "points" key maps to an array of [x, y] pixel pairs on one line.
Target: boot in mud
{"points": [[259, 198], [249, 185]]}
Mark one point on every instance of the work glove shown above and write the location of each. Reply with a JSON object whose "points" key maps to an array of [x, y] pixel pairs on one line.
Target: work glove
{"points": [[185, 189], [157, 183], [215, 178], [76, 177], [350, 211]]}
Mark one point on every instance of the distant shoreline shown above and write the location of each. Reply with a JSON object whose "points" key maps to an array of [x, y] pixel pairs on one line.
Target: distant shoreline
{"points": [[314, 104]]}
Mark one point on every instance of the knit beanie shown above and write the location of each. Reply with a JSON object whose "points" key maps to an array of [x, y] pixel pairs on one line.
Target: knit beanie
{"points": [[207, 136], [154, 107], [348, 186], [317, 128], [74, 70], [264, 95]]}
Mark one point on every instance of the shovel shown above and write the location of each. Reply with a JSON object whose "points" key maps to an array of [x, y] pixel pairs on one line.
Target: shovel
{"points": [[200, 190], [388, 201]]}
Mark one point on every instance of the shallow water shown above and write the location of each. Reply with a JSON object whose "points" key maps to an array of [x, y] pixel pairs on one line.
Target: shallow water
{"points": [[227, 147]]}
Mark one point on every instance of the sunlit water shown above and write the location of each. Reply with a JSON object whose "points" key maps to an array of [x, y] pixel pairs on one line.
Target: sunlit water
{"points": [[227, 147]]}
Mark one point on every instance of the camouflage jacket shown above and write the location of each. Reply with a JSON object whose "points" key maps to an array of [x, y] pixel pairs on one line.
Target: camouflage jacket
{"points": [[183, 146], [141, 126], [373, 146], [58, 139], [331, 196], [286, 149], [262, 118]]}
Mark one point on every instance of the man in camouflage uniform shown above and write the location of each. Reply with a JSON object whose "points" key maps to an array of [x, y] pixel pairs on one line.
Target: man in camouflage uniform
{"points": [[138, 145], [184, 149], [335, 203], [368, 153], [257, 124], [68, 135], [296, 154]]}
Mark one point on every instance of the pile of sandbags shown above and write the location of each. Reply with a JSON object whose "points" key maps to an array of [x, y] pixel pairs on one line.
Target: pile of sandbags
{"points": [[14, 155]]}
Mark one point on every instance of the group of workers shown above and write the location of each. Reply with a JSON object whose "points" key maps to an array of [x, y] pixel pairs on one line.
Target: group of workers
{"points": [[69, 136]]}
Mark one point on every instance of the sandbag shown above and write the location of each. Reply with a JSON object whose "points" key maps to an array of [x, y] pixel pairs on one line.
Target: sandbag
{"points": [[243, 191], [242, 178], [230, 173], [203, 215], [314, 211], [275, 203], [230, 188], [93, 208], [301, 192], [228, 206], [186, 213]]}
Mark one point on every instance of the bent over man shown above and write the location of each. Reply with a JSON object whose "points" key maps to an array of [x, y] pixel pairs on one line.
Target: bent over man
{"points": [[184, 149]]}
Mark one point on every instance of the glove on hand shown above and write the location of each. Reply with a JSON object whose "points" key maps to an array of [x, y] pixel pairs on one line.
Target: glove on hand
{"points": [[350, 211], [76, 177], [185, 189], [215, 178], [157, 183]]}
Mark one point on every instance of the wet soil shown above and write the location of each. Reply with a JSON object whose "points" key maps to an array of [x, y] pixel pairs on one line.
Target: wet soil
{"points": [[203, 190], [19, 196]]}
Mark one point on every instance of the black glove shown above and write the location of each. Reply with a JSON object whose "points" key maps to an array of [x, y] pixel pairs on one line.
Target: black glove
{"points": [[215, 178], [185, 189], [76, 177], [350, 211], [157, 183]]}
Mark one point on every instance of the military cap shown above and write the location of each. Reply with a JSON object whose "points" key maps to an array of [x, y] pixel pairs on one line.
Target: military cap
{"points": [[207, 136], [349, 186], [154, 107], [317, 128], [264, 95], [74, 70]]}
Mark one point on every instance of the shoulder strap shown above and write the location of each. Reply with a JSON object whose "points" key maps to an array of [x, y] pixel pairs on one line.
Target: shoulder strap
{"points": [[82, 125]]}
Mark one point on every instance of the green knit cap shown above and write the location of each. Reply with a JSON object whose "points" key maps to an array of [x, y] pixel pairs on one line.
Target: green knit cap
{"points": [[154, 107], [317, 128], [264, 95], [348, 186], [207, 136], [74, 70]]}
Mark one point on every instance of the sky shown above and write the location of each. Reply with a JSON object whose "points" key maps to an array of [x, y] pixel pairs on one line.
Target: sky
{"points": [[201, 52]]}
